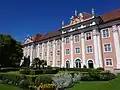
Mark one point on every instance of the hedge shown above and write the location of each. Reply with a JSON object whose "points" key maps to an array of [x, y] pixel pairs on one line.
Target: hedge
{"points": [[80, 69], [24, 80], [8, 69], [37, 71], [97, 76]]}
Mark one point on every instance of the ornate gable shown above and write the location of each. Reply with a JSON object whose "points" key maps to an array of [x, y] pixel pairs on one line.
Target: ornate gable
{"points": [[28, 40]]}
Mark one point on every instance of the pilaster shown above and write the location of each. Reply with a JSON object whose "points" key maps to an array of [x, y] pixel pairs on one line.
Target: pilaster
{"points": [[71, 53], [117, 45], [83, 48]]}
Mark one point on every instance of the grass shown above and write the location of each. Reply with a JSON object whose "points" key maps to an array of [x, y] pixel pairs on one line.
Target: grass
{"points": [[98, 85], [8, 87]]}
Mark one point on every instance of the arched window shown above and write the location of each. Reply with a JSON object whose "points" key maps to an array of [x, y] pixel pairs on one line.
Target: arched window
{"points": [[67, 64], [78, 63], [90, 64]]}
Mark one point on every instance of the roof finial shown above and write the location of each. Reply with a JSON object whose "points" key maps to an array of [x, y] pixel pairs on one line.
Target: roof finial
{"points": [[93, 12], [28, 35], [81, 15], [62, 23], [75, 12], [72, 17]]}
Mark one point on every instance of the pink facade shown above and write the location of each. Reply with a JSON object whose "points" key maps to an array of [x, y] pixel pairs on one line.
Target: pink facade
{"points": [[85, 41]]}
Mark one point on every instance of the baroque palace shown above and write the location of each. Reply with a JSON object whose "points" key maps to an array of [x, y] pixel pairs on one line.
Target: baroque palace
{"points": [[93, 41]]}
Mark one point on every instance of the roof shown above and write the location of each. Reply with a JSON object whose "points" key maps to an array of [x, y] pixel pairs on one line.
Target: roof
{"points": [[86, 15], [105, 17], [36, 37], [111, 15], [46, 36]]}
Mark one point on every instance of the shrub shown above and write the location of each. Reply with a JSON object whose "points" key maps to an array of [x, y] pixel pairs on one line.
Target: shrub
{"points": [[45, 79], [10, 78], [36, 72], [8, 69], [106, 75], [63, 81], [25, 80], [77, 77], [50, 71], [48, 67], [97, 76], [47, 87], [100, 68], [24, 83], [84, 66], [24, 71], [79, 69]]}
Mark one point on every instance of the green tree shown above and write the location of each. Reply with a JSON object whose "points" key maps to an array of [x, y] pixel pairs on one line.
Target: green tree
{"points": [[36, 62], [11, 51], [43, 63]]}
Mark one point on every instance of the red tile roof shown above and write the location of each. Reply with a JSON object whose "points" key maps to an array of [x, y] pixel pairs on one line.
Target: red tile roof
{"points": [[86, 15], [46, 36], [36, 37], [111, 15]]}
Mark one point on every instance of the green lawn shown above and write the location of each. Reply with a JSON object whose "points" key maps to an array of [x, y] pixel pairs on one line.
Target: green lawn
{"points": [[98, 85], [8, 87]]}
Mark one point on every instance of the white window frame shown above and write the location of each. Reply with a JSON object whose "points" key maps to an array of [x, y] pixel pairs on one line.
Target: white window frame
{"points": [[51, 54], [58, 64], [40, 55], [78, 36], [58, 42], [51, 62], [66, 40], [45, 53], [87, 49], [106, 62], [51, 43], [92, 60], [66, 51], [57, 52], [90, 35], [104, 47], [75, 50], [108, 33]]}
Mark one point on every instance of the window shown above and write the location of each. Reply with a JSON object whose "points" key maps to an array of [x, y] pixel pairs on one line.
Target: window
{"points": [[78, 63], [58, 52], [89, 49], [77, 50], [67, 39], [105, 33], [45, 53], [108, 62], [40, 46], [40, 54], [67, 64], [77, 38], [51, 53], [51, 62], [88, 36], [67, 51], [58, 62], [107, 47], [58, 42], [51, 44]]}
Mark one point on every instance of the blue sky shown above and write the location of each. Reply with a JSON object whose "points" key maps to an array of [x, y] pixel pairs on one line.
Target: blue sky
{"points": [[22, 17]]}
